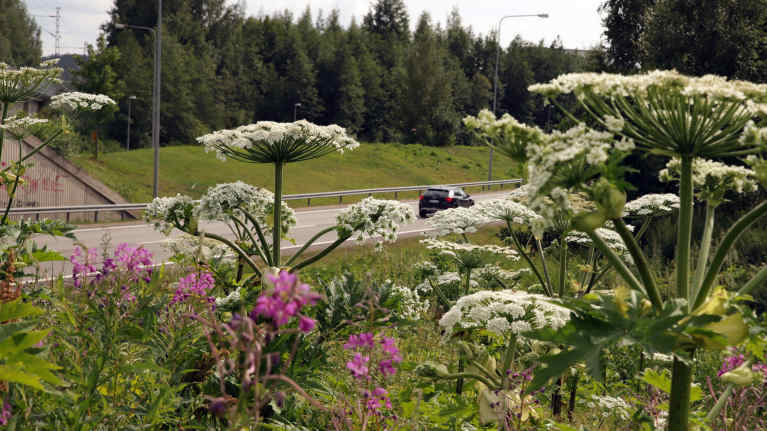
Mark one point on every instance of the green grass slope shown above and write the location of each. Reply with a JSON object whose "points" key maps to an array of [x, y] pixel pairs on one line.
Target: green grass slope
{"points": [[189, 170]]}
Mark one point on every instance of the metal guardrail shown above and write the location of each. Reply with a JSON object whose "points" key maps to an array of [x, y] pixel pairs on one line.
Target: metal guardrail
{"points": [[124, 209]]}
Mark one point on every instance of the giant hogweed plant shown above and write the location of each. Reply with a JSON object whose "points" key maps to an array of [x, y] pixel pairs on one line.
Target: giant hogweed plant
{"points": [[692, 121], [504, 308], [259, 219]]}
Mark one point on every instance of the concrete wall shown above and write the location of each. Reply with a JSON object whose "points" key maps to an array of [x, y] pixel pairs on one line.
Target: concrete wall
{"points": [[54, 181]]}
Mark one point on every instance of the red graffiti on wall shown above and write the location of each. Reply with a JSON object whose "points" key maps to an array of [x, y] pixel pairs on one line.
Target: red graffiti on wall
{"points": [[36, 184]]}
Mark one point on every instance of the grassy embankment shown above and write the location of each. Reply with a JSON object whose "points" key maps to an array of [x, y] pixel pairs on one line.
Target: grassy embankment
{"points": [[189, 170]]}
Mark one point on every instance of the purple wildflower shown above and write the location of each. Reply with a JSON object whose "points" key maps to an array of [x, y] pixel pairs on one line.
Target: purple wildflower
{"points": [[358, 365], [6, 413]]}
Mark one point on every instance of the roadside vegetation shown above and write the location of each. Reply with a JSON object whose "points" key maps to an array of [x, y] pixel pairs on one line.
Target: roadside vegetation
{"points": [[189, 170]]}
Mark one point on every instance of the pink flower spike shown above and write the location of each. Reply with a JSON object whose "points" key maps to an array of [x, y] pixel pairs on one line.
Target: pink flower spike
{"points": [[306, 324], [358, 365], [387, 368]]}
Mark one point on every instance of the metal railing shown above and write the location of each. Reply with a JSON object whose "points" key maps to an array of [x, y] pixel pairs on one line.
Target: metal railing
{"points": [[124, 209]]}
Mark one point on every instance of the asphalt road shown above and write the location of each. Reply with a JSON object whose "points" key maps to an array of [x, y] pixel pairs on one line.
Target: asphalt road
{"points": [[309, 222]]}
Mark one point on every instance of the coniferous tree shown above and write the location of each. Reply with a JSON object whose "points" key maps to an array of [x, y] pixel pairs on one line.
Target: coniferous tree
{"points": [[20, 43], [427, 109]]}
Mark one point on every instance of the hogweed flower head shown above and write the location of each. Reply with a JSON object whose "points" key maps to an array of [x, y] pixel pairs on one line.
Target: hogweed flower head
{"points": [[458, 221], [170, 212], [652, 205], [271, 142], [374, 218], [504, 312], [712, 179], [224, 200], [19, 84], [20, 127], [77, 101]]}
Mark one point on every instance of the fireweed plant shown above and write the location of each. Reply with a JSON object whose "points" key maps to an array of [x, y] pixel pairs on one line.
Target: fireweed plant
{"points": [[240, 350], [692, 121]]}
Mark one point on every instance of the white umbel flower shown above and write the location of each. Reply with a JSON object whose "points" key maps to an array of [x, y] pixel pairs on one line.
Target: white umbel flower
{"points": [[239, 198], [77, 101], [522, 311], [449, 248], [374, 218], [166, 212], [458, 221], [712, 179], [652, 204], [19, 127], [270, 133]]}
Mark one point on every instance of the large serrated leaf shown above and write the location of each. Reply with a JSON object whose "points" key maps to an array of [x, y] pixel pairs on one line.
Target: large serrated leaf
{"points": [[15, 374], [18, 310]]}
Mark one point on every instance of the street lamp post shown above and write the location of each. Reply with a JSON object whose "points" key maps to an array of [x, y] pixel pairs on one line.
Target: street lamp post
{"points": [[156, 90], [295, 110], [127, 140], [495, 76]]}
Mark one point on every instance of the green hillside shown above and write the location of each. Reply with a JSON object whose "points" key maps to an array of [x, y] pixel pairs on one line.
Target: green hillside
{"points": [[189, 170]]}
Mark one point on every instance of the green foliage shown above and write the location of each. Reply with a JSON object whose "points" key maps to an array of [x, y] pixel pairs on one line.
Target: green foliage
{"points": [[20, 360]]}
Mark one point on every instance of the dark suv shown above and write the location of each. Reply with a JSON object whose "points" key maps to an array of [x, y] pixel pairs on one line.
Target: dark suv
{"points": [[440, 198]]}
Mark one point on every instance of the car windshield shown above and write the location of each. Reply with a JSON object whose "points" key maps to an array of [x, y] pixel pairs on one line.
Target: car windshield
{"points": [[436, 193]]}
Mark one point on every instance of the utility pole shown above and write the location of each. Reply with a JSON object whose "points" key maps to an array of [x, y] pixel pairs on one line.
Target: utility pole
{"points": [[158, 91], [57, 48]]}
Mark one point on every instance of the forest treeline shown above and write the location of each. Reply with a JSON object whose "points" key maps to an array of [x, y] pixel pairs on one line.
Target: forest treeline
{"points": [[376, 76]]}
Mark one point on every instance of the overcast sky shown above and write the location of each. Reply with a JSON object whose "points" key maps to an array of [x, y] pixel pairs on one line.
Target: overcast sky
{"points": [[576, 22]]}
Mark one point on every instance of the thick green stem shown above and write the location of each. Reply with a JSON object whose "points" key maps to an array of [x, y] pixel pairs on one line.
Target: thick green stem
{"points": [[720, 403], [759, 279], [276, 230], [321, 254], [2, 131], [250, 235], [459, 381], [562, 267], [264, 244], [643, 228], [617, 263], [640, 260], [309, 243], [705, 249], [549, 286], [721, 252], [11, 195], [236, 248], [684, 232], [531, 264], [679, 405]]}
